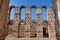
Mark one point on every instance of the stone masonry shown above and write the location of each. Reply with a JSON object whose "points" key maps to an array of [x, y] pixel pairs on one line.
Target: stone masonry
{"points": [[29, 29]]}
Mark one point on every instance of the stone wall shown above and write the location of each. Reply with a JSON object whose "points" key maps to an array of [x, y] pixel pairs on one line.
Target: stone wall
{"points": [[3, 15], [33, 28], [30, 28]]}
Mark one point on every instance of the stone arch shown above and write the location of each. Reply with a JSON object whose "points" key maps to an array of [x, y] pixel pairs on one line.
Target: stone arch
{"points": [[33, 10], [24, 9], [10, 8], [21, 28], [44, 14], [45, 29]]}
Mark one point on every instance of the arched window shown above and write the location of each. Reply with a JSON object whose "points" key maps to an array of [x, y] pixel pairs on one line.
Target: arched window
{"points": [[33, 14], [44, 16], [12, 13], [22, 15]]}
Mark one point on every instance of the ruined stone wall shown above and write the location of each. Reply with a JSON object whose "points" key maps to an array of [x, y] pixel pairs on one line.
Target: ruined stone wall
{"points": [[33, 28]]}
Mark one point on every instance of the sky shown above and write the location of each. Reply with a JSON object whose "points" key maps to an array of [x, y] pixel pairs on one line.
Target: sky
{"points": [[30, 3]]}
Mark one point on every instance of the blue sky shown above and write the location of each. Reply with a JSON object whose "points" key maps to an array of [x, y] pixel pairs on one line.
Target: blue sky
{"points": [[30, 3]]}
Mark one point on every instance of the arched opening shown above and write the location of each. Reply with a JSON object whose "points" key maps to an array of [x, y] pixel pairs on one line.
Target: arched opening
{"points": [[33, 29], [44, 16], [12, 13], [45, 30], [45, 33], [33, 14], [22, 15], [21, 29]]}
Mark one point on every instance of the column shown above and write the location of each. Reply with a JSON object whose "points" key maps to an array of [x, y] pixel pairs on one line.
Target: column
{"points": [[3, 19], [39, 23], [16, 22], [27, 20], [51, 27]]}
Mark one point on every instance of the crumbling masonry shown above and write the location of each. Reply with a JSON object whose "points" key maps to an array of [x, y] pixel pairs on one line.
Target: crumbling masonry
{"points": [[30, 29]]}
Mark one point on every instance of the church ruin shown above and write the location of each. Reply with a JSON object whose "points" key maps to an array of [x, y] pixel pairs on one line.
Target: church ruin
{"points": [[29, 29]]}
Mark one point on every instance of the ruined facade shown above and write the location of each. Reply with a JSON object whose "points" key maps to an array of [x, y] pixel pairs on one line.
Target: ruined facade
{"points": [[30, 29]]}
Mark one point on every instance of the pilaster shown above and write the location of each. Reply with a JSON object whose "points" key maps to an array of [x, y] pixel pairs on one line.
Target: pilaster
{"points": [[16, 22], [39, 23], [27, 20]]}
